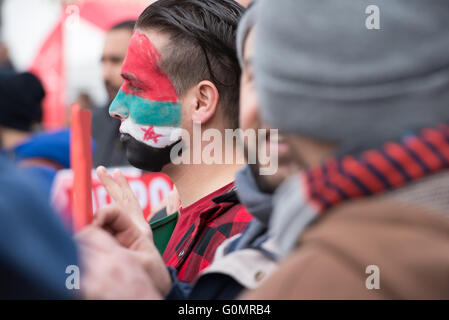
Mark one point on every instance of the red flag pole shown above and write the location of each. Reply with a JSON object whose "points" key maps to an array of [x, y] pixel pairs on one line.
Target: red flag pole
{"points": [[81, 164]]}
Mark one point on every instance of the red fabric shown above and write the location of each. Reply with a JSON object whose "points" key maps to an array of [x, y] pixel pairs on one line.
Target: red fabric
{"points": [[48, 66], [201, 228], [106, 13], [81, 163]]}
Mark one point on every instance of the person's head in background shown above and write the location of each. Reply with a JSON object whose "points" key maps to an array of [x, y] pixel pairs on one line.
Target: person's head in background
{"points": [[5, 62], [249, 107], [338, 87], [181, 68], [114, 52], [21, 95]]}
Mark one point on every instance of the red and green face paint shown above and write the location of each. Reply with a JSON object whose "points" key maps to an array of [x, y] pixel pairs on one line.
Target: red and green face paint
{"points": [[147, 102]]}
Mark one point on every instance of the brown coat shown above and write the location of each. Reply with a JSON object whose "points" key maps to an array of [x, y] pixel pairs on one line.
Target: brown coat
{"points": [[410, 245]]}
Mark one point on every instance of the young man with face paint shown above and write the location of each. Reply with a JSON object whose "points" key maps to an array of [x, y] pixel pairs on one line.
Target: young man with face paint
{"points": [[181, 69], [243, 261], [148, 106], [109, 151]]}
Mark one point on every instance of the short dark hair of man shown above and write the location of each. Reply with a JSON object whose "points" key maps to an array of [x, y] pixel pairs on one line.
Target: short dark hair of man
{"points": [[202, 46], [126, 25]]}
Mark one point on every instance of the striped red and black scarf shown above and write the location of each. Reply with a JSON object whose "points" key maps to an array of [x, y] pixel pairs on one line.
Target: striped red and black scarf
{"points": [[372, 172], [376, 171]]}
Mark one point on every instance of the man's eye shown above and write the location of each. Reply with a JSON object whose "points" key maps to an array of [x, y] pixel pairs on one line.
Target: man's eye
{"points": [[134, 87]]}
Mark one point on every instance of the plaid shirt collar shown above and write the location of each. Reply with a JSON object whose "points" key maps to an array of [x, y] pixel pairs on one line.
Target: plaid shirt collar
{"points": [[201, 228]]}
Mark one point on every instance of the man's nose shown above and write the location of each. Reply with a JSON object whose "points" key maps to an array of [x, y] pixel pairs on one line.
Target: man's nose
{"points": [[118, 108], [121, 113]]}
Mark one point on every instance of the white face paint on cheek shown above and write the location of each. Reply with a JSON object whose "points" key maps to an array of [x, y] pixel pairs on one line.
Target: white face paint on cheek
{"points": [[153, 136]]}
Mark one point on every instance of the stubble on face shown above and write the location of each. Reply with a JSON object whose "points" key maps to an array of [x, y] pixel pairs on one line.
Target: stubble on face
{"points": [[250, 119]]}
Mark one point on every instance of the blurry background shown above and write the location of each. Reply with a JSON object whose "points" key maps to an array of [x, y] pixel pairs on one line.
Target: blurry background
{"points": [[61, 42]]}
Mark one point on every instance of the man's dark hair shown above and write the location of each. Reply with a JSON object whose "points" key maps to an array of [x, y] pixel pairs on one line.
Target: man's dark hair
{"points": [[202, 45], [127, 25]]}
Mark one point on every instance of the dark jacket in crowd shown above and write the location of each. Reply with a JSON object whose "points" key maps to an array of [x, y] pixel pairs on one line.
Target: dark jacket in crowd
{"points": [[35, 250]]}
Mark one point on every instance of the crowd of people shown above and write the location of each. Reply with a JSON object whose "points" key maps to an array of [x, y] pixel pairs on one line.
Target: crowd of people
{"points": [[357, 119]]}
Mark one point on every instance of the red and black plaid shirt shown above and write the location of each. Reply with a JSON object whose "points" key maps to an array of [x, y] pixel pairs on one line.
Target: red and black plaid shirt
{"points": [[201, 228]]}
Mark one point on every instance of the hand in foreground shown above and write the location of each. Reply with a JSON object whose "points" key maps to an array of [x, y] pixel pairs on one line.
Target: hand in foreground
{"points": [[119, 190], [110, 271], [125, 222], [139, 242]]}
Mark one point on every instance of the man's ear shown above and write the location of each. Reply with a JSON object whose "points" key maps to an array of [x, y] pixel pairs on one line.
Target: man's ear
{"points": [[207, 97]]}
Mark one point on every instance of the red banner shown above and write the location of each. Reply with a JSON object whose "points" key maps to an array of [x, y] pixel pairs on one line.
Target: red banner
{"points": [[149, 188], [106, 13], [49, 64]]}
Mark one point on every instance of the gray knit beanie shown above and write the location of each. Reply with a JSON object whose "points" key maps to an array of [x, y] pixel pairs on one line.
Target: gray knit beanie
{"points": [[320, 72], [247, 22]]}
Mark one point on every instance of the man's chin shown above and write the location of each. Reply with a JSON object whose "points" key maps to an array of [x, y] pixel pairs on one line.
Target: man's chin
{"points": [[269, 183], [145, 157]]}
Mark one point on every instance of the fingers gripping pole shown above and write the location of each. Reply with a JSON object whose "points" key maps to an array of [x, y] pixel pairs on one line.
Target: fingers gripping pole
{"points": [[81, 164]]}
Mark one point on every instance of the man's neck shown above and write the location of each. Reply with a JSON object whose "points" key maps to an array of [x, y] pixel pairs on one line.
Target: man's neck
{"points": [[194, 182]]}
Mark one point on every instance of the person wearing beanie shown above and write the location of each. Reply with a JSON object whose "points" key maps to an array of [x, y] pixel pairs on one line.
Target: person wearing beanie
{"points": [[20, 107], [35, 249], [366, 116], [41, 154]]}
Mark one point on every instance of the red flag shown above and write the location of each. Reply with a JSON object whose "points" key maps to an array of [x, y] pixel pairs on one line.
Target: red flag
{"points": [[48, 66], [81, 163], [105, 13]]}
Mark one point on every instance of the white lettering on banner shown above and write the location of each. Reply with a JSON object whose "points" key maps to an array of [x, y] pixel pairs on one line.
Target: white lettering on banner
{"points": [[149, 188], [147, 195]]}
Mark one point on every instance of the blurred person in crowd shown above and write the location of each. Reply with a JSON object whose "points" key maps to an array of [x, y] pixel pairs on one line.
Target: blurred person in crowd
{"points": [[5, 62], [39, 153], [109, 151], [21, 109], [365, 114], [35, 250], [39, 259], [181, 68], [84, 100]]}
